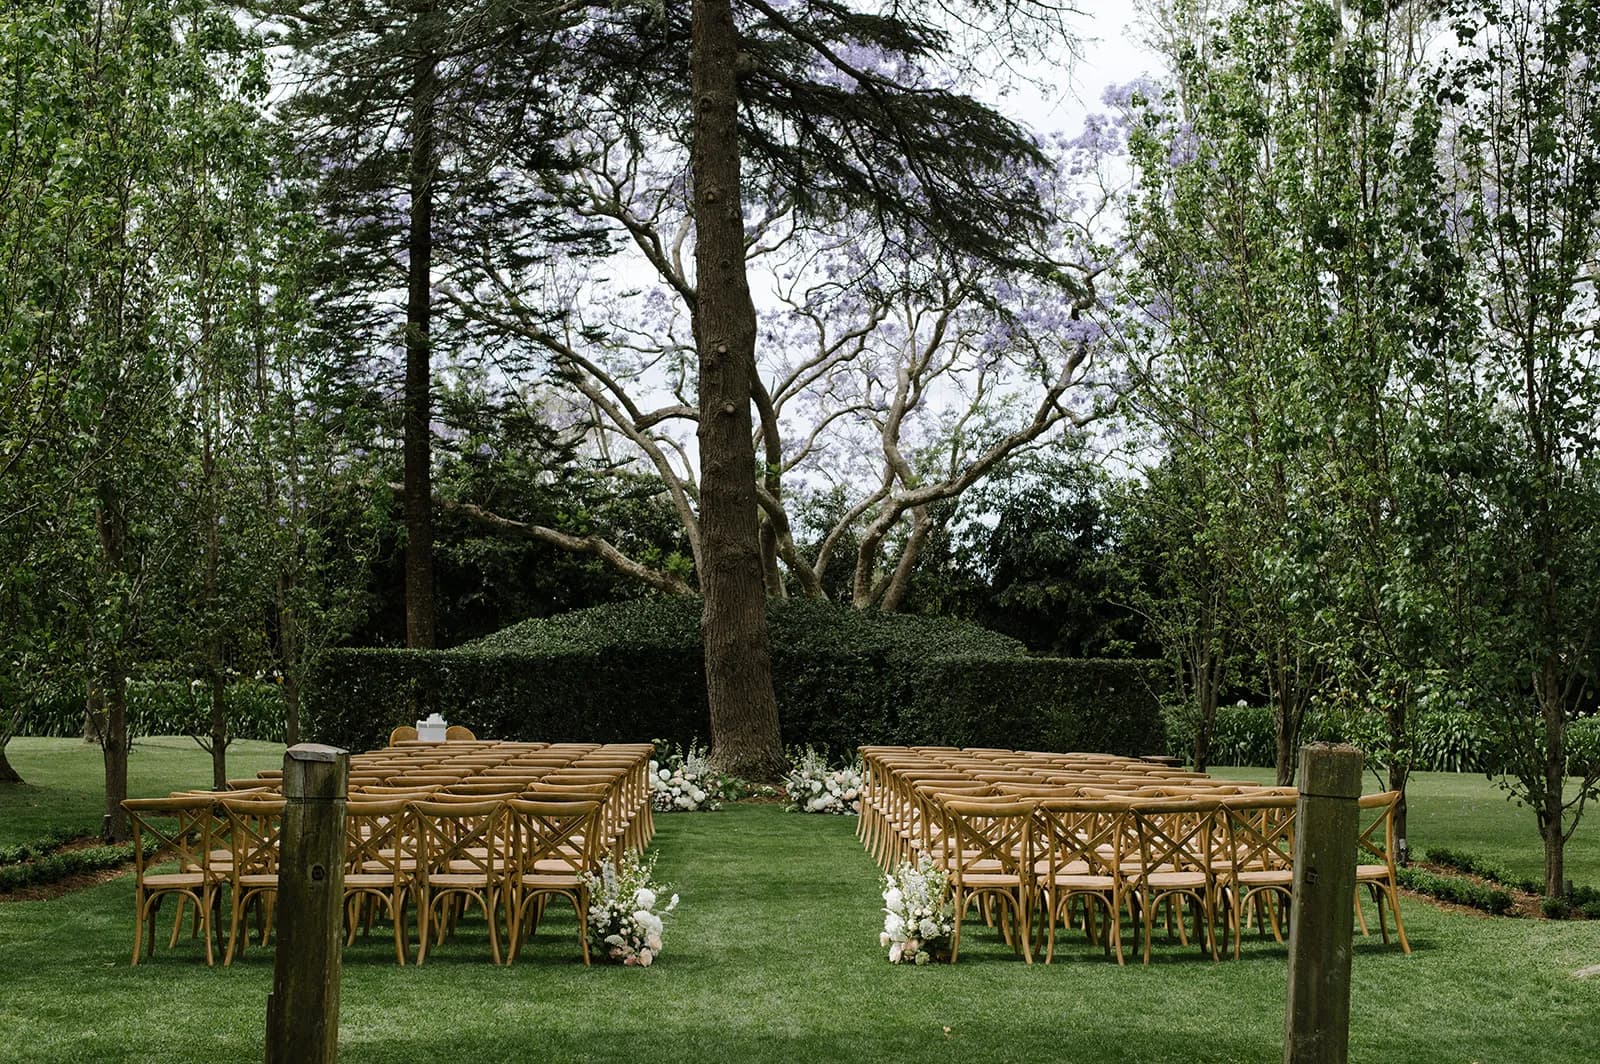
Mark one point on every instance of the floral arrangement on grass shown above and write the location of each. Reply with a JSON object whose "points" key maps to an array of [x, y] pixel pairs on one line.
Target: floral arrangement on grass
{"points": [[683, 781], [918, 918], [813, 787], [624, 924]]}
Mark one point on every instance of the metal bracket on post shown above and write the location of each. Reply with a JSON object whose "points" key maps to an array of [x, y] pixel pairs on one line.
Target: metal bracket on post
{"points": [[303, 1008]]}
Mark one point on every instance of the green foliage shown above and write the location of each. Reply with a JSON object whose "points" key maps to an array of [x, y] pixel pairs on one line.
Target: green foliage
{"points": [[844, 677], [171, 707], [56, 866], [1456, 889], [49, 842], [1471, 865]]}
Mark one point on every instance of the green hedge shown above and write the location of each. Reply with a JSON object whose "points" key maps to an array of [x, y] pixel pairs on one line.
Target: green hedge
{"points": [[843, 678], [170, 707]]}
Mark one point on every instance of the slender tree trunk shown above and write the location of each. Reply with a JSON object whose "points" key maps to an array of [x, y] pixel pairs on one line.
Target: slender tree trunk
{"points": [[114, 748], [418, 384], [1555, 781], [1399, 774], [219, 734], [111, 676], [1205, 693], [291, 707], [744, 711]]}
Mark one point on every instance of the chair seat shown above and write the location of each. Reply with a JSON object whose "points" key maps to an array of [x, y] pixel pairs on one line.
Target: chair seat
{"points": [[547, 881], [1267, 878], [175, 880], [368, 880], [1079, 881], [1368, 872], [458, 881], [262, 880], [987, 879], [1176, 880]]}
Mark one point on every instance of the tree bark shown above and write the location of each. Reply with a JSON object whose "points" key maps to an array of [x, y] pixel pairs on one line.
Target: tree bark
{"points": [[1399, 774], [114, 749], [219, 734], [1551, 813], [420, 629], [745, 740], [8, 772]]}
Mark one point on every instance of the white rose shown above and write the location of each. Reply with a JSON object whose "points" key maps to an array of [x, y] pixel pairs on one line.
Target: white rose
{"points": [[649, 922], [816, 805], [699, 795], [892, 898], [683, 802], [645, 898], [894, 926]]}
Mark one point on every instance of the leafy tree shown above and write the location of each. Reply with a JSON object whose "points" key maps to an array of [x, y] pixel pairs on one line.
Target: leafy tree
{"points": [[1526, 87]]}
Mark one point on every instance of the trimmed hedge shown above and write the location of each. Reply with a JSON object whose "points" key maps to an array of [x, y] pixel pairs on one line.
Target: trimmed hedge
{"points": [[635, 672], [170, 707], [1456, 889]]}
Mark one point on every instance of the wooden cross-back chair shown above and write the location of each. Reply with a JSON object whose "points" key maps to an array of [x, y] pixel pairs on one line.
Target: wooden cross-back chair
{"points": [[181, 829], [988, 847], [1174, 863], [1375, 867], [255, 829], [380, 860], [1082, 843], [461, 858], [1258, 859], [554, 847]]}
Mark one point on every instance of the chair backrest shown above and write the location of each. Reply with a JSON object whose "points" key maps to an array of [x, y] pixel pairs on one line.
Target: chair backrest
{"points": [[996, 830], [565, 833], [403, 734], [378, 837], [462, 838], [1259, 832], [255, 830], [1088, 832], [457, 732], [182, 827], [1175, 833], [1375, 843]]}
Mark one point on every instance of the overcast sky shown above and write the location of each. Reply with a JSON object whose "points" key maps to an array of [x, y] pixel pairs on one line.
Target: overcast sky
{"points": [[1110, 56]]}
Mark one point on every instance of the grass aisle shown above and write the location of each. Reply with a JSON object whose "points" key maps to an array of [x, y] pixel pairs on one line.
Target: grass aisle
{"points": [[773, 957]]}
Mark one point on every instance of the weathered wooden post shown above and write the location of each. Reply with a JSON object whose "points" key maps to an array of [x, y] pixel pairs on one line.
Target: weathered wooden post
{"points": [[1317, 1027], [303, 1008]]}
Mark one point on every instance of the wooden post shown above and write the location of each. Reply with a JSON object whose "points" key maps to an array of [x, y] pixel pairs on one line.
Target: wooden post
{"points": [[303, 1008], [1317, 1026]]}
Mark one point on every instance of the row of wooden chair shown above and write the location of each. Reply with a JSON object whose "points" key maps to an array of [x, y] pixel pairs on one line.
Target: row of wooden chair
{"points": [[1030, 836], [457, 839]]}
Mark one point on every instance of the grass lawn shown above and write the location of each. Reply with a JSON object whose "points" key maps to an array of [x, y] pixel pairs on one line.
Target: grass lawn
{"points": [[773, 957], [1464, 811], [65, 779]]}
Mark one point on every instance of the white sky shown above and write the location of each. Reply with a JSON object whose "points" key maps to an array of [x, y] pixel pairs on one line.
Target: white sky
{"points": [[1110, 55]]}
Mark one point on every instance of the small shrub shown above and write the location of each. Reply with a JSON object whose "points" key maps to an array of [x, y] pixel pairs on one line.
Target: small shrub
{"points": [[1471, 865], [57, 866], [47, 843], [1591, 910], [1556, 908], [1456, 889]]}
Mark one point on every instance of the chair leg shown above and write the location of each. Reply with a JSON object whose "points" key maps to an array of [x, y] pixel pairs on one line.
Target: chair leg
{"points": [[138, 926]]}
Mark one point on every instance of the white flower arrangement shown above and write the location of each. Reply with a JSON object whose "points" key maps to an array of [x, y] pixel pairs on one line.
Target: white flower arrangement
{"points": [[685, 783], [918, 919], [812, 787], [624, 924]]}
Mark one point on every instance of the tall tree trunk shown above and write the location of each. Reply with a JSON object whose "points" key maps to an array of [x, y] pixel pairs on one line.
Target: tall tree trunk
{"points": [[1399, 773], [114, 748], [291, 707], [219, 734], [744, 711], [1555, 780], [1206, 692], [111, 675], [418, 385]]}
